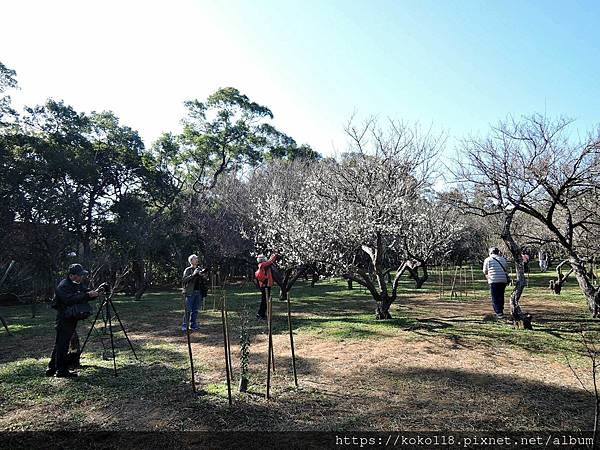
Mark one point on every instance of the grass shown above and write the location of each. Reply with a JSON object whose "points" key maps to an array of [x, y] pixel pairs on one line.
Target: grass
{"points": [[154, 392]]}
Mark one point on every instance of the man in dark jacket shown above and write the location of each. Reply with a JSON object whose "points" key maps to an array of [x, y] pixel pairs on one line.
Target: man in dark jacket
{"points": [[69, 292]]}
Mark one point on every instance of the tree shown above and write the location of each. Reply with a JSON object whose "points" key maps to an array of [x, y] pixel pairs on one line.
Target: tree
{"points": [[227, 131], [359, 205], [80, 164], [280, 220], [281, 146], [533, 167], [430, 230], [9, 134], [7, 81]]}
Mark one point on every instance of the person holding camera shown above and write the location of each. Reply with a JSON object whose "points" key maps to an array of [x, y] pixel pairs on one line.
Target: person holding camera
{"points": [[68, 296], [195, 288], [264, 281]]}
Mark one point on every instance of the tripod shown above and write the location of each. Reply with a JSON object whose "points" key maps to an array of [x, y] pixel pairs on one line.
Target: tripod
{"points": [[106, 305]]}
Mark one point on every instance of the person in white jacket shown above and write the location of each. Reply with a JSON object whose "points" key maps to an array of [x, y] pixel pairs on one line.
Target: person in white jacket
{"points": [[495, 268]]}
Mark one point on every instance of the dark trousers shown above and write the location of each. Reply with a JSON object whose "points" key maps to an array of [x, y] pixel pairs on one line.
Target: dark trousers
{"points": [[497, 291], [64, 331], [265, 291], [192, 303]]}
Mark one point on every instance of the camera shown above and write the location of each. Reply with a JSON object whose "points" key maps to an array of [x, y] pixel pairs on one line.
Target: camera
{"points": [[103, 288]]}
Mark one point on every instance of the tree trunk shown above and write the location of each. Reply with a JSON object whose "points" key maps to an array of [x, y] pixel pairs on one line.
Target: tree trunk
{"points": [[140, 278], [287, 281], [521, 319], [382, 312], [87, 249], [315, 278], [591, 293], [419, 280], [557, 285]]}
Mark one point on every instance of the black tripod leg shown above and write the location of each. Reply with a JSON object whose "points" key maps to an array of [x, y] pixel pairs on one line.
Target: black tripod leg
{"points": [[91, 328], [112, 342], [123, 328]]}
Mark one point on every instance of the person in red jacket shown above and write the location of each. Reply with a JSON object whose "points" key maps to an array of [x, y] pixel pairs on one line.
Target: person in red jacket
{"points": [[264, 279]]}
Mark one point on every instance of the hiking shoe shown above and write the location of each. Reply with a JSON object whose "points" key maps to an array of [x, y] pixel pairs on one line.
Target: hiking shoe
{"points": [[499, 316], [50, 372], [259, 317], [67, 375], [194, 328]]}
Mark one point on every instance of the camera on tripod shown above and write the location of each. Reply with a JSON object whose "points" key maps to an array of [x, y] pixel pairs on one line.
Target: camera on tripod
{"points": [[104, 288]]}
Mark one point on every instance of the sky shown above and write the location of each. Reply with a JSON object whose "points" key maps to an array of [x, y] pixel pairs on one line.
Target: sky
{"points": [[457, 66]]}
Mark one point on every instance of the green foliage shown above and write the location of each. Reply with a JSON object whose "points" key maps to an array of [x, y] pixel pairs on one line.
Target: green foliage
{"points": [[7, 81], [85, 182], [229, 131]]}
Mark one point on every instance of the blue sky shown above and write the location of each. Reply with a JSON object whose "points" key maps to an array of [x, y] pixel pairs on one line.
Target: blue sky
{"points": [[457, 65]]}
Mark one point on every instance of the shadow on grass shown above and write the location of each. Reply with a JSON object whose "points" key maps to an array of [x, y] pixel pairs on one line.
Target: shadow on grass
{"points": [[438, 398]]}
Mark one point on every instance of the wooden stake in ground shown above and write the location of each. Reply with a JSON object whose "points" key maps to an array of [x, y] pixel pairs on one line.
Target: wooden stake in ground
{"points": [[225, 347], [212, 290], [270, 349], [228, 340], [189, 340], [452, 292], [292, 339], [442, 283], [269, 314], [472, 281]]}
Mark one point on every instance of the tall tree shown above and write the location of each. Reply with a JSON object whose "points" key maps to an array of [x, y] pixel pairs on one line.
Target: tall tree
{"points": [[359, 204], [80, 164], [534, 167], [225, 132]]}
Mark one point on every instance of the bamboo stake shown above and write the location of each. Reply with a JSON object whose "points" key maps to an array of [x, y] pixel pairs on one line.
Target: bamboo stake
{"points": [[112, 341], [442, 283], [227, 369], [189, 341], [212, 290], [228, 340], [270, 347], [270, 309], [452, 292], [292, 339]]}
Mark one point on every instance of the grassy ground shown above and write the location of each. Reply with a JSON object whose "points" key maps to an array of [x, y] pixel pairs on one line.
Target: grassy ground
{"points": [[437, 365]]}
